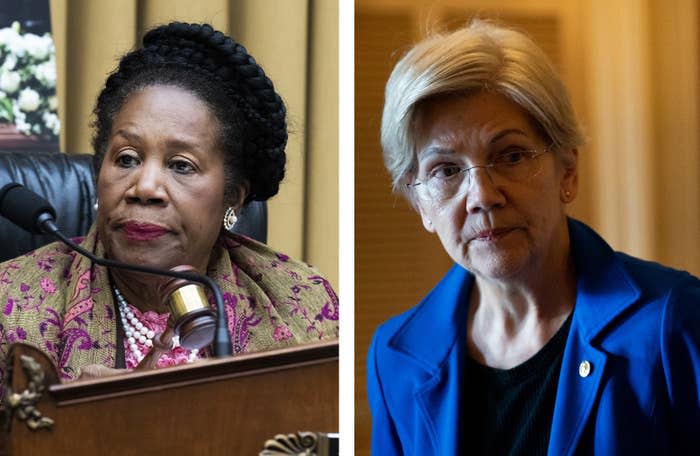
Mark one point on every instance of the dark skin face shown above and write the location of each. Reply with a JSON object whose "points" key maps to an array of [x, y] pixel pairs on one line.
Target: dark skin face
{"points": [[160, 187]]}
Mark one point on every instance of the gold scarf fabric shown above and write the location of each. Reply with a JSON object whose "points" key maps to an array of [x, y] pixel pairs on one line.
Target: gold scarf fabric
{"points": [[62, 303]]}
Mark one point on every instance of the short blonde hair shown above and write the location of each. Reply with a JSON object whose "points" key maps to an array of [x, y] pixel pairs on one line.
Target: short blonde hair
{"points": [[480, 56]]}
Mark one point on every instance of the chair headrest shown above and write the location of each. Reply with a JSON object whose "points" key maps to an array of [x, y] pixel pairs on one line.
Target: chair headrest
{"points": [[64, 180]]}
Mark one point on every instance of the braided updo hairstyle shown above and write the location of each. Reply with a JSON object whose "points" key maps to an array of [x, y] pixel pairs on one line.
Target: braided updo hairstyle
{"points": [[211, 65]]}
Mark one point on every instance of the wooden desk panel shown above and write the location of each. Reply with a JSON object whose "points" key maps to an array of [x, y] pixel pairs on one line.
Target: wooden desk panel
{"points": [[213, 407]]}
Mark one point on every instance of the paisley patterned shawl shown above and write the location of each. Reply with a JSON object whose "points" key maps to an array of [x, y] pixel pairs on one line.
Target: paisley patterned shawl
{"points": [[62, 303]]}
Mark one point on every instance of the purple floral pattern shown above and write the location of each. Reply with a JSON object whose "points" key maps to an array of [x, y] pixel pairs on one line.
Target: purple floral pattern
{"points": [[281, 332], [62, 303], [241, 318]]}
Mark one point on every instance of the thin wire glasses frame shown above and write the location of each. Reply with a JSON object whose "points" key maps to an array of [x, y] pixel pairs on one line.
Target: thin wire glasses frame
{"points": [[447, 181]]}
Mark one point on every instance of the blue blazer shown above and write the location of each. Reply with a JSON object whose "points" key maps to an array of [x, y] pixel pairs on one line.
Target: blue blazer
{"points": [[636, 323]]}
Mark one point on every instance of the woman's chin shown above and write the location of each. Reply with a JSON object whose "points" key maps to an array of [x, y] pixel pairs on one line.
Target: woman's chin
{"points": [[498, 265], [145, 258]]}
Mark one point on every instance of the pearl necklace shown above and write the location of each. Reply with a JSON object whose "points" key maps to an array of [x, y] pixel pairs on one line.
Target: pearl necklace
{"points": [[136, 332]]}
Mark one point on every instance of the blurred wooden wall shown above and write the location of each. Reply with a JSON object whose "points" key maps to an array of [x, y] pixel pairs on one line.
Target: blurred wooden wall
{"points": [[631, 67]]}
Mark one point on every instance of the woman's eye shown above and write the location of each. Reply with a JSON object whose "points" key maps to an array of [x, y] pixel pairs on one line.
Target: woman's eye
{"points": [[182, 167], [127, 161], [511, 157], [445, 172]]}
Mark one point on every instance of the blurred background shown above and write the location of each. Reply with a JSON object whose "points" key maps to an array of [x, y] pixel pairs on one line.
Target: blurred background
{"points": [[295, 41], [632, 68]]}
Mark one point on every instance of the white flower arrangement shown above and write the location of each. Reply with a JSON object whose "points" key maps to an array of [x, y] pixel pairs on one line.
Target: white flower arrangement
{"points": [[28, 82]]}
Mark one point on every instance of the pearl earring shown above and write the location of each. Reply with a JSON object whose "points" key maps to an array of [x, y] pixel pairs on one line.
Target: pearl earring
{"points": [[230, 219], [96, 205]]}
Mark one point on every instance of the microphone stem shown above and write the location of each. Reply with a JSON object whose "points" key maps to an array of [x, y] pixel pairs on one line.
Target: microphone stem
{"points": [[222, 339]]}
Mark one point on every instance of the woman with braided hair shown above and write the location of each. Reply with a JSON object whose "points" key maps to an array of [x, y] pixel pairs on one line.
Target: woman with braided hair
{"points": [[187, 130]]}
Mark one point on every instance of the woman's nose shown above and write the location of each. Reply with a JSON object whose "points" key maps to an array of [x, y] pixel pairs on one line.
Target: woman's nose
{"points": [[483, 193], [149, 185]]}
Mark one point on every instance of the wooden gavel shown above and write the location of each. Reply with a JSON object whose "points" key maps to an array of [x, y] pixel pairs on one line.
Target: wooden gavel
{"points": [[192, 318]]}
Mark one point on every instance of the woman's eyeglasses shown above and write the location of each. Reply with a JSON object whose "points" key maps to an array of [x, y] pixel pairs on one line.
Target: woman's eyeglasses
{"points": [[447, 181]]}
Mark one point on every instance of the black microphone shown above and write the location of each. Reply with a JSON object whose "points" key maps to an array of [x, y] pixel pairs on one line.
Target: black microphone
{"points": [[30, 211], [25, 208]]}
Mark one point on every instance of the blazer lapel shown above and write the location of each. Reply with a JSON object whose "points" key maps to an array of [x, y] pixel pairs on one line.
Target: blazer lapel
{"points": [[577, 391], [434, 338], [604, 290], [440, 403]]}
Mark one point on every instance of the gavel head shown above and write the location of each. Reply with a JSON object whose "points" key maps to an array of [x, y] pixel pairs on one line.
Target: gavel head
{"points": [[192, 317]]}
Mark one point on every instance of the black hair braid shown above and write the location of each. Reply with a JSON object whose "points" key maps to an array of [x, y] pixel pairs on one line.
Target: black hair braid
{"points": [[249, 88], [266, 106], [209, 63]]}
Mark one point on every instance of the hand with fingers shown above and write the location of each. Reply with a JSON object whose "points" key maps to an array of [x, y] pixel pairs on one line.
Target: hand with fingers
{"points": [[162, 343]]}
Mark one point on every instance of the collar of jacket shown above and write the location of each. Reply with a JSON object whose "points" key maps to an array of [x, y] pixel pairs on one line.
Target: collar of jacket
{"points": [[604, 291]]}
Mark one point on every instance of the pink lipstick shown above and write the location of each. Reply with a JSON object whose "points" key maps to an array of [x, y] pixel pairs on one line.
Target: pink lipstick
{"points": [[136, 231]]}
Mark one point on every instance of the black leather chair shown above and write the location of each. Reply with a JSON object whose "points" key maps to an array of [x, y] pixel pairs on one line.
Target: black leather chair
{"points": [[67, 182]]}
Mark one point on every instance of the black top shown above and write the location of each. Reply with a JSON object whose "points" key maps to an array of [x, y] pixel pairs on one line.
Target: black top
{"points": [[509, 412]]}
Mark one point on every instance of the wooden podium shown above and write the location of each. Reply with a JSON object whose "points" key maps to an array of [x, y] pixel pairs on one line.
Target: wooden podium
{"points": [[231, 406]]}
